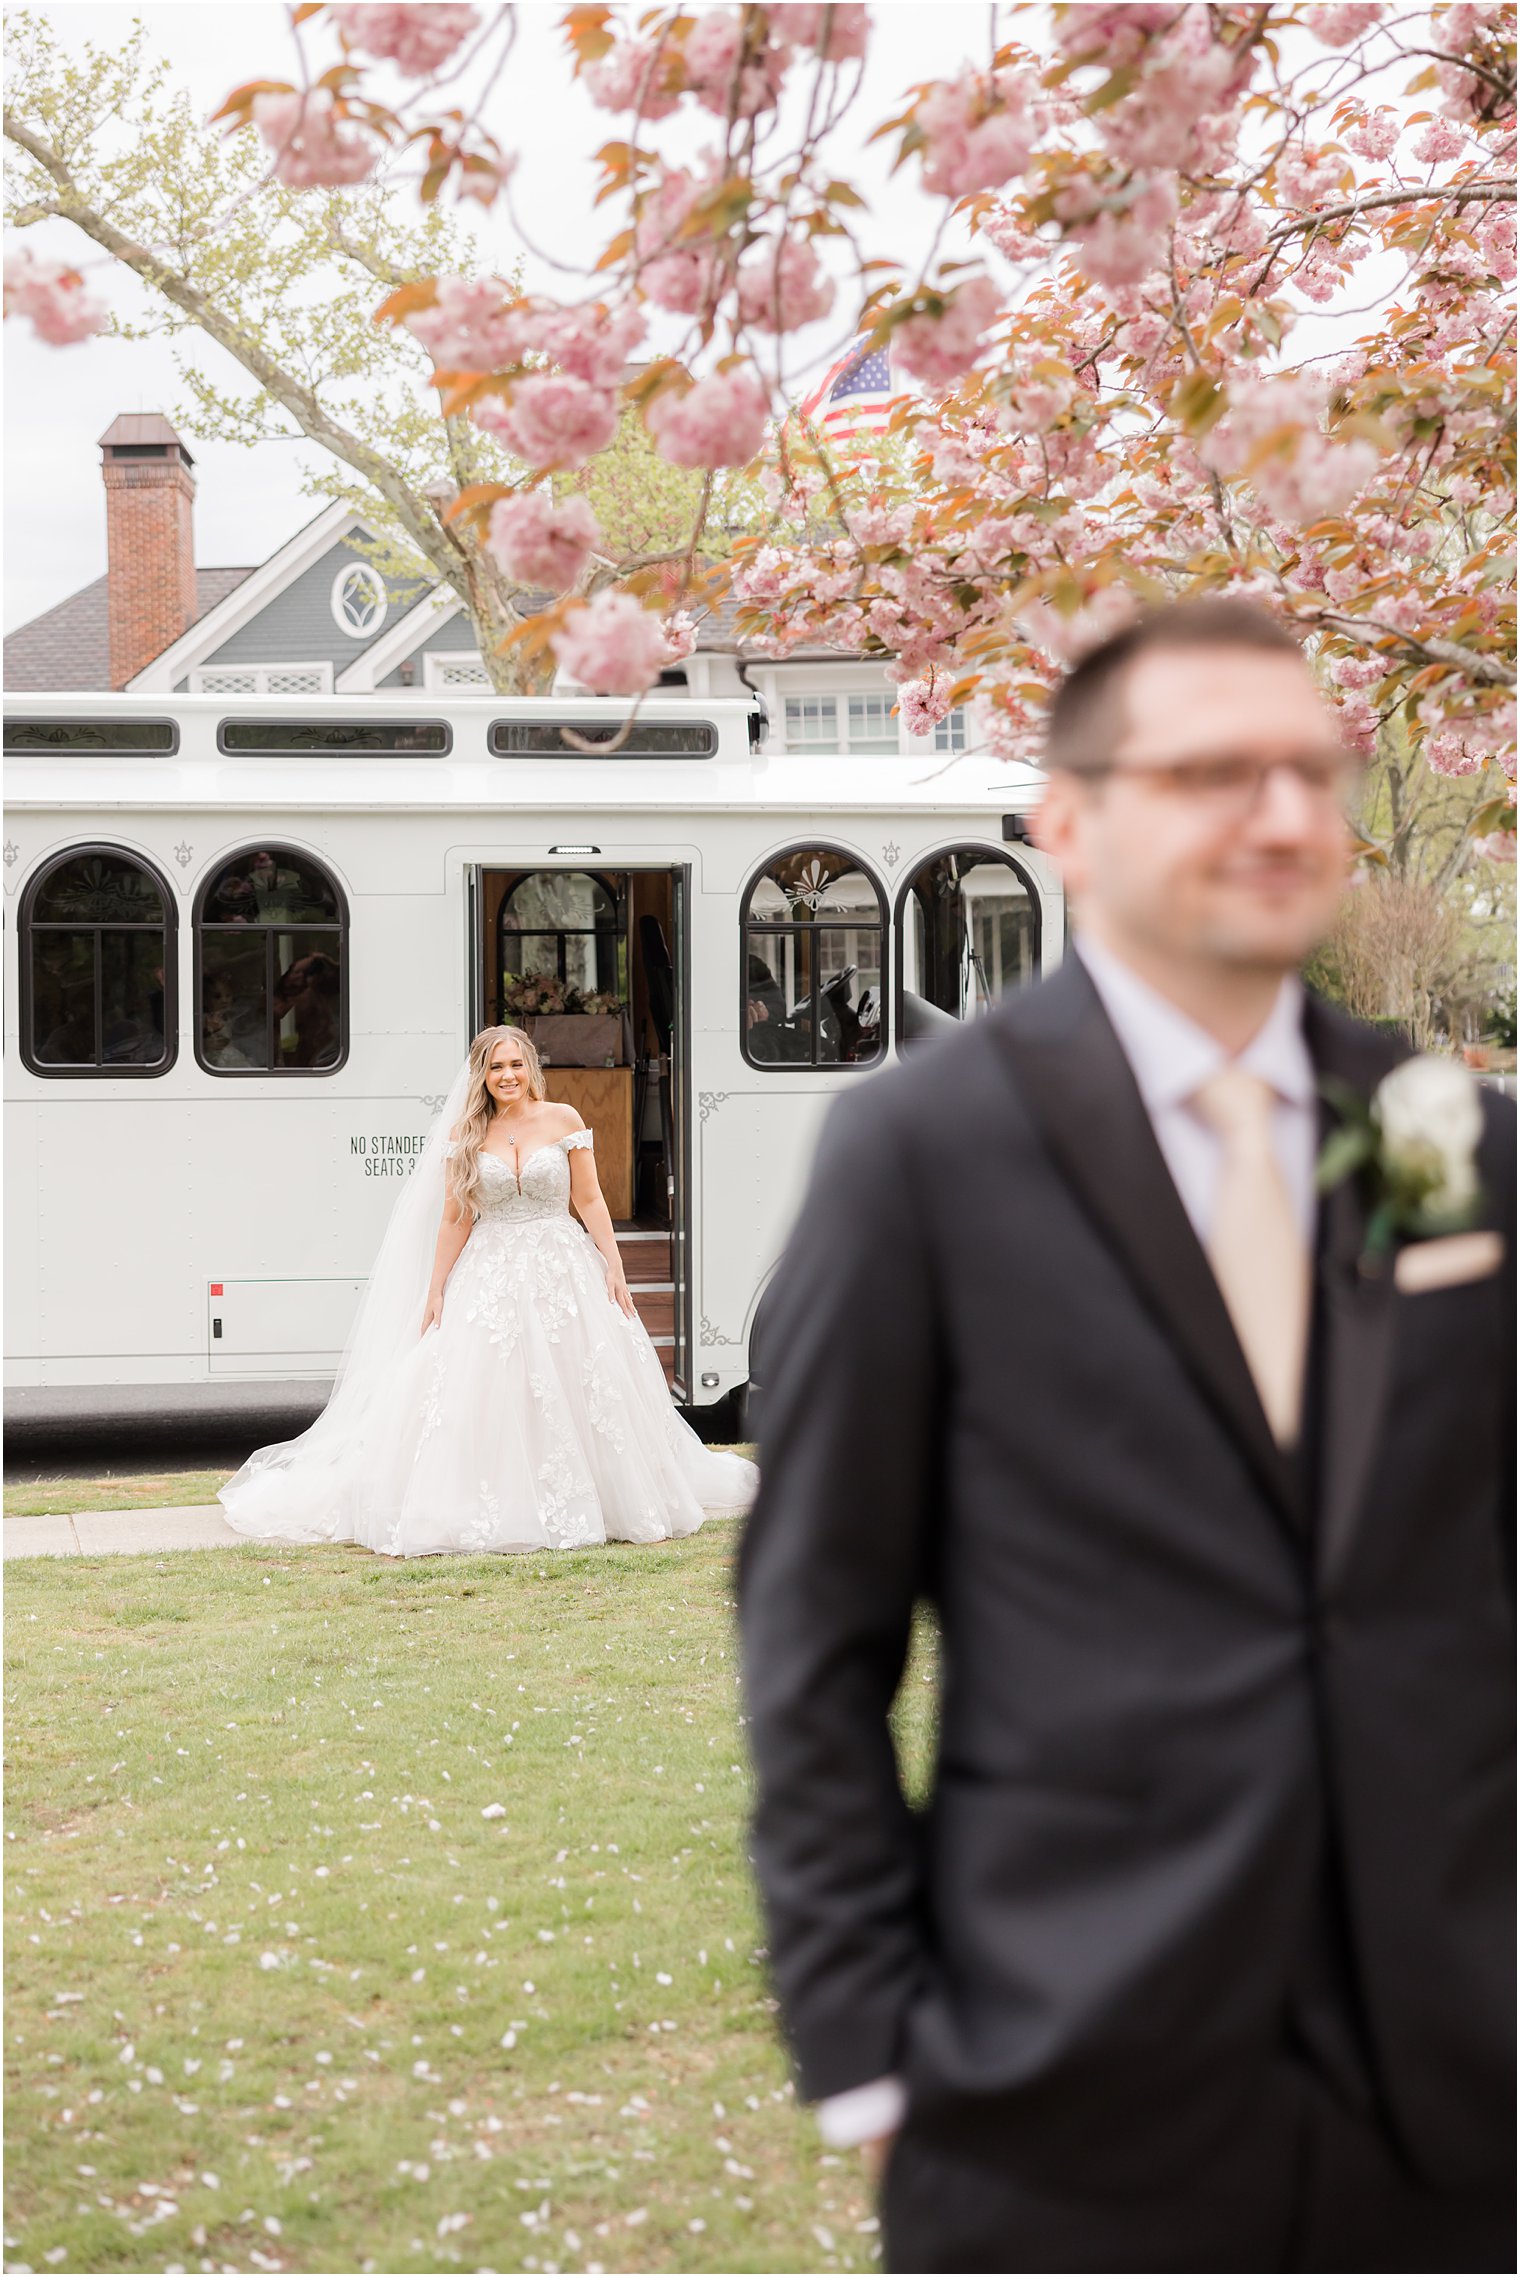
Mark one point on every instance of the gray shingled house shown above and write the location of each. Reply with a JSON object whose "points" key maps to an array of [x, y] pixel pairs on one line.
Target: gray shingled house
{"points": [[318, 618]]}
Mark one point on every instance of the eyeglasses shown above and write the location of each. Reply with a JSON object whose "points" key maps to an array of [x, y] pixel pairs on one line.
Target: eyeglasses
{"points": [[1233, 783]]}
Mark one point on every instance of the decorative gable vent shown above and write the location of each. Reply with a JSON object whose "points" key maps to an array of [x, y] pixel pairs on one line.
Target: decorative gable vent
{"points": [[262, 680], [462, 671], [359, 600]]}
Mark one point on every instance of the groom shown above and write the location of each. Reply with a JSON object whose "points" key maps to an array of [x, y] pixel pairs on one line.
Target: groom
{"points": [[1200, 1956]]}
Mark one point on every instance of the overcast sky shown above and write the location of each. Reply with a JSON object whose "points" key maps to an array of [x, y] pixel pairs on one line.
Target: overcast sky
{"points": [[59, 401]]}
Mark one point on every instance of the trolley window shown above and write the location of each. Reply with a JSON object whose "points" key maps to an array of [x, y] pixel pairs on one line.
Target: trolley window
{"points": [[968, 933], [561, 944], [648, 739], [271, 738], [119, 738], [97, 967], [813, 926], [271, 967]]}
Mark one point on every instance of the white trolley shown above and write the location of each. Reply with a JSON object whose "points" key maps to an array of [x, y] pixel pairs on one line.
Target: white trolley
{"points": [[250, 938]]}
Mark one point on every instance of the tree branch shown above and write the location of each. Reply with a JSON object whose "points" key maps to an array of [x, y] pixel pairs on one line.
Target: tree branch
{"points": [[1492, 670], [1460, 194], [439, 548]]}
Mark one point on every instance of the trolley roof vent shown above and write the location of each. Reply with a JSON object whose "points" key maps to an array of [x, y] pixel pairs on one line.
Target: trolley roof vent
{"points": [[647, 739], [116, 738], [280, 738]]}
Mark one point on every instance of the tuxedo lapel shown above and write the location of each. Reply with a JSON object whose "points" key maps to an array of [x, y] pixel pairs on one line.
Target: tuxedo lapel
{"points": [[1357, 1310], [1077, 1083]]}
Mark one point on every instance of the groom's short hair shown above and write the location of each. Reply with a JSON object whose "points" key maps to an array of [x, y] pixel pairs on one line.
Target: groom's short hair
{"points": [[1086, 716]]}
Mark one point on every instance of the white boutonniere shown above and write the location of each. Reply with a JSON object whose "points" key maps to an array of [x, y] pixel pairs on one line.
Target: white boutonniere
{"points": [[1414, 1147]]}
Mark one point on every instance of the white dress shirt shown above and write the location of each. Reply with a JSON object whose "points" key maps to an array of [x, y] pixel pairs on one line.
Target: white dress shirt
{"points": [[1170, 1056]]}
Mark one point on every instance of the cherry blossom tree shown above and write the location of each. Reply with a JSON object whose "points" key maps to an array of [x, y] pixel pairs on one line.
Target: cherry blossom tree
{"points": [[285, 280], [1206, 297]]}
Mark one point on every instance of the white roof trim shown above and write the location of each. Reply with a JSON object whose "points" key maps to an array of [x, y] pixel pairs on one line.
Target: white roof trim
{"points": [[245, 601], [397, 642]]}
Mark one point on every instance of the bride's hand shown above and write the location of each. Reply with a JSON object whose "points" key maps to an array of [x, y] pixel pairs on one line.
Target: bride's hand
{"points": [[617, 1289], [433, 1316]]}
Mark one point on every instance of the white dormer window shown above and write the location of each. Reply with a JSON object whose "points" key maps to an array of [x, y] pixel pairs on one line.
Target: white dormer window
{"points": [[358, 600]]}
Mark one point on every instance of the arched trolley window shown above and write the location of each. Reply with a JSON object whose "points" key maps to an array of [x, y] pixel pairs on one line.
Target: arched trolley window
{"points": [[271, 967], [561, 942], [968, 934], [97, 972], [814, 924]]}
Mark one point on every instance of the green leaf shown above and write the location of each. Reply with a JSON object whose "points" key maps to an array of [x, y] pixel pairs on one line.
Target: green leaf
{"points": [[1341, 1156], [1113, 90]]}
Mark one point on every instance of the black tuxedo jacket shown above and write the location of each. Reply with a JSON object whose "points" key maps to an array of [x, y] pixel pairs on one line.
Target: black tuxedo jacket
{"points": [[1184, 1679]]}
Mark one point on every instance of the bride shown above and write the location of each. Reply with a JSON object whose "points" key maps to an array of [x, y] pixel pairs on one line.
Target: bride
{"points": [[499, 1391]]}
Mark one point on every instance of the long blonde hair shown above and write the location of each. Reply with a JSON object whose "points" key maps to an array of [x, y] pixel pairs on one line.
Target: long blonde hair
{"points": [[479, 1107]]}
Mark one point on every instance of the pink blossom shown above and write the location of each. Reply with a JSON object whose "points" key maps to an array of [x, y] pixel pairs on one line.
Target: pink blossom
{"points": [[1002, 723], [1357, 723], [1065, 639], [801, 25], [492, 414], [1185, 77], [1497, 846], [540, 543], [714, 72], [312, 150], [1450, 753], [938, 349], [684, 283], [680, 632], [1406, 612], [62, 311], [783, 287], [878, 525], [419, 40], [976, 135], [1496, 237], [1376, 137], [1116, 34], [587, 342], [679, 271], [1339, 25], [634, 75], [1271, 436], [1358, 672], [1440, 141], [1121, 248], [1310, 177], [1033, 406], [557, 420], [1011, 237], [611, 646], [925, 703], [474, 325], [719, 422]]}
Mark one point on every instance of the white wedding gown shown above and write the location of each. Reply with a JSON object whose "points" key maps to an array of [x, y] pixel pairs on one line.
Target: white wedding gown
{"points": [[536, 1416]]}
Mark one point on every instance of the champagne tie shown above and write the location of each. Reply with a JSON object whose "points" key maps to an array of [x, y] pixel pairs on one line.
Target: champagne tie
{"points": [[1256, 1246]]}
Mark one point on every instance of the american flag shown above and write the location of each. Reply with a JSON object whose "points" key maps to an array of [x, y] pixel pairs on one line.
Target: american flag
{"points": [[855, 396]]}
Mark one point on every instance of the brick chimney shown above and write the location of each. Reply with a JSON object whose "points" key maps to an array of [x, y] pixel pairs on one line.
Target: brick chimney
{"points": [[150, 547]]}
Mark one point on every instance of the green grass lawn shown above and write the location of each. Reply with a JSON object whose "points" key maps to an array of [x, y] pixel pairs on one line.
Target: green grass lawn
{"points": [[164, 1490], [284, 1996]]}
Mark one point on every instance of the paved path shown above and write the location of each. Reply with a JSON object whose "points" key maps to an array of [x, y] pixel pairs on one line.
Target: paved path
{"points": [[94, 1533], [90, 1533]]}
